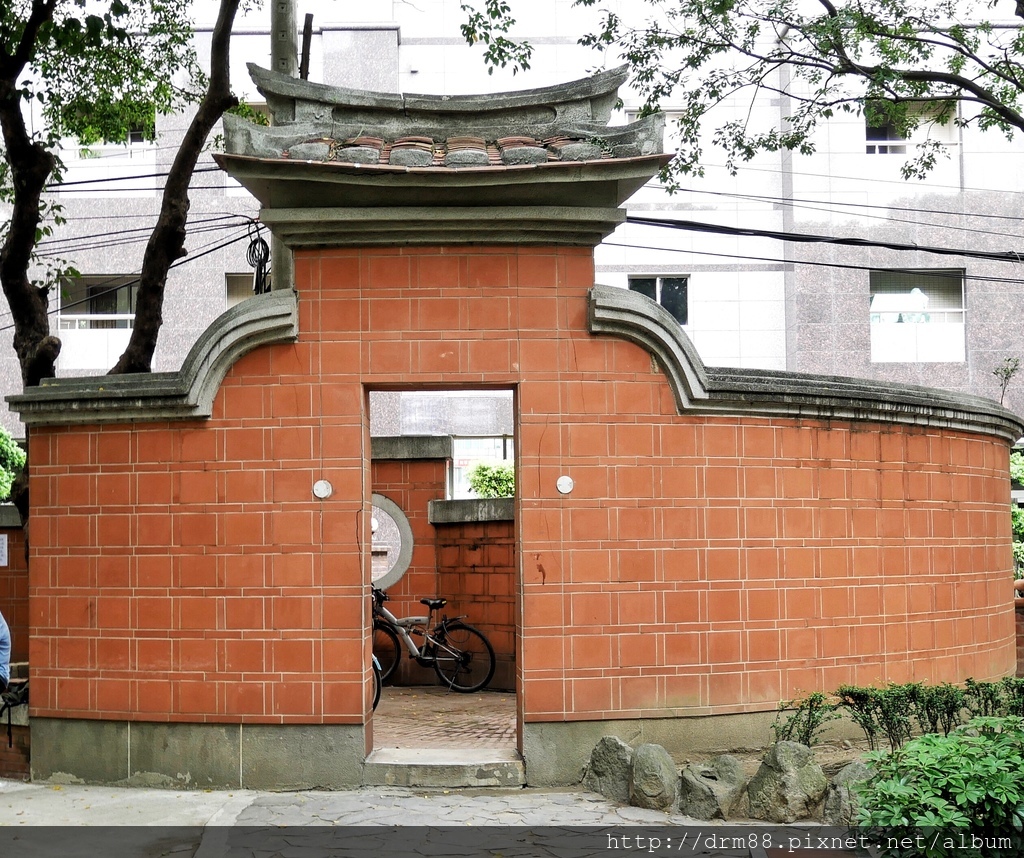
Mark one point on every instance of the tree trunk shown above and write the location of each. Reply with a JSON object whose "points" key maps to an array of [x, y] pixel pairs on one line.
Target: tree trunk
{"points": [[31, 165], [167, 241]]}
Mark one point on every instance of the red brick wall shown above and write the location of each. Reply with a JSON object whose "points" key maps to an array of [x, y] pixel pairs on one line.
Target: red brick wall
{"points": [[14, 593], [14, 760], [476, 563], [700, 565]]}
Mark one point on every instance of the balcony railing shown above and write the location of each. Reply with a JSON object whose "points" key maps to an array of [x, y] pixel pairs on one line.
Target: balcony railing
{"points": [[92, 342]]}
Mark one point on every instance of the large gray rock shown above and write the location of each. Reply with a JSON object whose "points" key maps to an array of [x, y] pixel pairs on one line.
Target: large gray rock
{"points": [[712, 790], [840, 799], [788, 786], [654, 782], [609, 769]]}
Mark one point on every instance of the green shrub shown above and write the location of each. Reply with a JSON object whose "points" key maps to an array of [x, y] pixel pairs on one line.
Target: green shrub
{"points": [[1013, 695], [984, 699], [492, 481], [938, 708], [861, 704], [882, 711], [12, 460], [893, 705], [959, 795], [810, 715]]}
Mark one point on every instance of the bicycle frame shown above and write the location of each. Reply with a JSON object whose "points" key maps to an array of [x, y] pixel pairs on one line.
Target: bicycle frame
{"points": [[402, 630], [421, 625]]}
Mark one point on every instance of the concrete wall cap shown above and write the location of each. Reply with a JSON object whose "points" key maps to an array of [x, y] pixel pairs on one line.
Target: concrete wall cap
{"points": [[188, 393], [9, 516], [393, 447], [468, 510], [712, 390]]}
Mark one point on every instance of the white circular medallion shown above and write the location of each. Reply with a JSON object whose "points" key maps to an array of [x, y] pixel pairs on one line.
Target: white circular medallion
{"points": [[564, 484], [322, 489]]}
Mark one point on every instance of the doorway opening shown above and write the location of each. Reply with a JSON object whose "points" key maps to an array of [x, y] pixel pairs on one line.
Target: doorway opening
{"points": [[443, 527]]}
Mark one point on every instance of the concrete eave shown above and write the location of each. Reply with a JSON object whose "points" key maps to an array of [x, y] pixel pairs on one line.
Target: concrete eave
{"points": [[186, 394], [712, 390], [318, 204]]}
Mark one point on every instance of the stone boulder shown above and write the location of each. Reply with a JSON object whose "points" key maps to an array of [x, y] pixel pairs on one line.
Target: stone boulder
{"points": [[712, 790], [840, 800], [788, 786], [654, 782], [609, 769]]}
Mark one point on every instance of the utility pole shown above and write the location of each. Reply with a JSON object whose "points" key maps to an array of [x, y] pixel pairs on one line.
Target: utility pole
{"points": [[283, 51], [283, 59]]}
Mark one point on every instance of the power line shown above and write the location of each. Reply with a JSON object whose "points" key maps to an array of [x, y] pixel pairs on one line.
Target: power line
{"points": [[750, 232], [952, 275], [85, 243], [59, 185], [134, 281]]}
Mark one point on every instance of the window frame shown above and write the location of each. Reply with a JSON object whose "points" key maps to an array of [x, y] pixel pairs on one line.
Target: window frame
{"points": [[658, 297], [930, 324], [87, 291]]}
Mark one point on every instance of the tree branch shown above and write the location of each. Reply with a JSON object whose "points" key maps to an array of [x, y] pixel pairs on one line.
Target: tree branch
{"points": [[167, 241]]}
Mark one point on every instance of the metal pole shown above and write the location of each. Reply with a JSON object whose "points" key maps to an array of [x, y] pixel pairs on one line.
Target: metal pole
{"points": [[284, 59]]}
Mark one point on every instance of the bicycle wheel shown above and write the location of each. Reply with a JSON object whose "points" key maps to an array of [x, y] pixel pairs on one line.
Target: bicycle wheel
{"points": [[386, 648], [464, 658], [377, 683]]}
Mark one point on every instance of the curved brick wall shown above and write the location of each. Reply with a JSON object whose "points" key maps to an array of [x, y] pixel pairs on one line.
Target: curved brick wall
{"points": [[703, 564]]}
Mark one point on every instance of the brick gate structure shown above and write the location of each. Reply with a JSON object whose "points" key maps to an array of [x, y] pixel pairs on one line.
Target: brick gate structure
{"points": [[691, 544]]}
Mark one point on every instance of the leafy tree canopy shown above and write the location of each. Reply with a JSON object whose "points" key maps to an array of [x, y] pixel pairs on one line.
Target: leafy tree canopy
{"points": [[901, 62], [99, 71], [95, 70]]}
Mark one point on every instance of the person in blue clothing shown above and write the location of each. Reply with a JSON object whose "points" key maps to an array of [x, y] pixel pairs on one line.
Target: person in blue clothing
{"points": [[5, 654]]}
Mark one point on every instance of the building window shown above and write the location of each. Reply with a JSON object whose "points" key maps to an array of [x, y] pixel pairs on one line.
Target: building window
{"points": [[239, 288], [670, 292], [102, 301], [917, 316], [888, 128], [883, 138]]}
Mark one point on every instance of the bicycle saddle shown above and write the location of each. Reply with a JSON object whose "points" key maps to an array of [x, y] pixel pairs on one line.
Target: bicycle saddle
{"points": [[434, 604]]}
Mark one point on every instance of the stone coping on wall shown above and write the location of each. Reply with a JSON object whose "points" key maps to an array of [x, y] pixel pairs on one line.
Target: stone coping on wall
{"points": [[712, 390], [469, 510], [396, 447], [9, 516], [186, 394]]}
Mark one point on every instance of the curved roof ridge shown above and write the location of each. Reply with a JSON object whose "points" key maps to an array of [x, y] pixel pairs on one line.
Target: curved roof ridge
{"points": [[599, 88]]}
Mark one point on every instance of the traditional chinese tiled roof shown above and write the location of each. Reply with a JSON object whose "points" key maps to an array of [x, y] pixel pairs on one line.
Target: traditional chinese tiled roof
{"points": [[537, 151]]}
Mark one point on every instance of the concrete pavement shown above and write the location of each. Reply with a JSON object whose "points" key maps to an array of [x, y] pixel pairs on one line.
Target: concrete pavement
{"points": [[33, 804], [74, 821]]}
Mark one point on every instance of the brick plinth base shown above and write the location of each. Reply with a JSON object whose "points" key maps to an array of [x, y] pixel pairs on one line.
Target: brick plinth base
{"points": [[14, 758]]}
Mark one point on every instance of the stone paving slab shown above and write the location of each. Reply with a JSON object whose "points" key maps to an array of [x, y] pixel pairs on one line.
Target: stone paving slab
{"points": [[435, 717]]}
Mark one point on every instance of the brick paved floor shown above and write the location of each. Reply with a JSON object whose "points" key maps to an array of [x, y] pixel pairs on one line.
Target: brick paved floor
{"points": [[434, 717]]}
